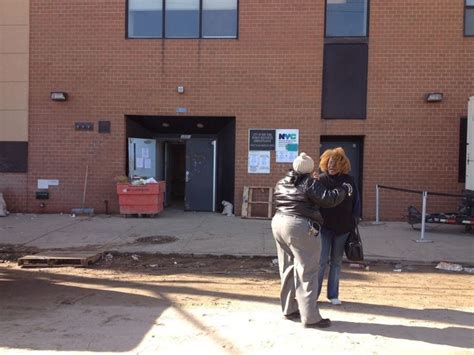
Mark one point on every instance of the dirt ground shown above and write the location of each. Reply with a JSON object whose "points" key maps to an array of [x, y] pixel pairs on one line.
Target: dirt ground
{"points": [[141, 304]]}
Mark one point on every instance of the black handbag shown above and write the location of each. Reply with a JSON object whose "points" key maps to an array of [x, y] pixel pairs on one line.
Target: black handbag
{"points": [[353, 246]]}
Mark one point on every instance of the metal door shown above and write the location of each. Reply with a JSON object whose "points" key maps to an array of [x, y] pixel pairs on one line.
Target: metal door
{"points": [[141, 157], [200, 175], [353, 149]]}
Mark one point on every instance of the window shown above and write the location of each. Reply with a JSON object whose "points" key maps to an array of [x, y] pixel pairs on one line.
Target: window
{"points": [[345, 81], [13, 157], [469, 18], [182, 18], [145, 18], [347, 18], [219, 18]]}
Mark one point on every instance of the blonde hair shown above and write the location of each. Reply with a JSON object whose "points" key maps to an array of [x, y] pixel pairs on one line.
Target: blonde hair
{"points": [[342, 165]]}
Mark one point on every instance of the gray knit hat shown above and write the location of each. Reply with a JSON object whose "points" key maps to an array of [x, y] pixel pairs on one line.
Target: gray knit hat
{"points": [[303, 164]]}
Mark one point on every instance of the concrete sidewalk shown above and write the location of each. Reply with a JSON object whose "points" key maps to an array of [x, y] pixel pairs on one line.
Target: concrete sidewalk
{"points": [[215, 234]]}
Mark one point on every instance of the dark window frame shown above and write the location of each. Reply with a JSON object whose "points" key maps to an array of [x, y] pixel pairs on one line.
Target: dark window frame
{"points": [[466, 6], [349, 38], [163, 22]]}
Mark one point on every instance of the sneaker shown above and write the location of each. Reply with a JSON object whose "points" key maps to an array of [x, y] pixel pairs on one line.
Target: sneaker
{"points": [[335, 301], [323, 323]]}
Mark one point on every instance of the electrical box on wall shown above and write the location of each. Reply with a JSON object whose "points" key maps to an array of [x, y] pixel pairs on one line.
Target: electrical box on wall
{"points": [[42, 195], [84, 126], [104, 126]]}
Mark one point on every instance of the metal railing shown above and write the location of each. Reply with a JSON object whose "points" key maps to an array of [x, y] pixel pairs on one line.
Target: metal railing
{"points": [[423, 211]]}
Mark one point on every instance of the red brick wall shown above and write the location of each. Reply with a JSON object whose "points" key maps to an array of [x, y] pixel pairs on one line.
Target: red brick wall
{"points": [[14, 189], [270, 77], [415, 47]]}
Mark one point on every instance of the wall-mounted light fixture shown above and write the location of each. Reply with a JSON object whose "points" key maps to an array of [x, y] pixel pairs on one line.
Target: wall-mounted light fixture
{"points": [[180, 89], [59, 96], [200, 125], [434, 97], [165, 124]]}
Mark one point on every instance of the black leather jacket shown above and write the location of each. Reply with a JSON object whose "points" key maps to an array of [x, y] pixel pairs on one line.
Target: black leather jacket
{"points": [[301, 195]]}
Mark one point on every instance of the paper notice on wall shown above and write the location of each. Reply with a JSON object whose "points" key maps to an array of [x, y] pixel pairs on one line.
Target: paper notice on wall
{"points": [[145, 153], [45, 183], [147, 163], [259, 162], [139, 163], [287, 142]]}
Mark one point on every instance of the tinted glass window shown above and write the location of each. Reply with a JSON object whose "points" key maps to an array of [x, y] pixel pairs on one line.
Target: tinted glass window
{"points": [[145, 18], [469, 21], [345, 80], [182, 19], [346, 18], [219, 18]]}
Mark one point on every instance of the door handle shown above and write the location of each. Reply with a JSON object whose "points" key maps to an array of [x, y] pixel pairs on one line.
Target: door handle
{"points": [[187, 176]]}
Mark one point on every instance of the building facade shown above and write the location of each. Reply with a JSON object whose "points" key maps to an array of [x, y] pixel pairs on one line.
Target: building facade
{"points": [[197, 77]]}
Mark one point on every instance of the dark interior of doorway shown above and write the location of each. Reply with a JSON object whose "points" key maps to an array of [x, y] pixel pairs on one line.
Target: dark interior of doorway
{"points": [[176, 174], [174, 127]]}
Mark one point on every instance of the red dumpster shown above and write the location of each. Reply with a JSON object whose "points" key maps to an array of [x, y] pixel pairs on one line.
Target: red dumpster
{"points": [[141, 199]]}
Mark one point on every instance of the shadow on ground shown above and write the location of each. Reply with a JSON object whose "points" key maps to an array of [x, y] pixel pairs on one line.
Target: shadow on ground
{"points": [[44, 310]]}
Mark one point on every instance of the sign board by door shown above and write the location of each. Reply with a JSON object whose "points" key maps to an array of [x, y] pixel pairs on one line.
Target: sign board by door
{"points": [[261, 139], [287, 145], [142, 157]]}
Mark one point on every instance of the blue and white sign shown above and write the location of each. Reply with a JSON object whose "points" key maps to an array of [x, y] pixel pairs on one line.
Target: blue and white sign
{"points": [[259, 162], [287, 145]]}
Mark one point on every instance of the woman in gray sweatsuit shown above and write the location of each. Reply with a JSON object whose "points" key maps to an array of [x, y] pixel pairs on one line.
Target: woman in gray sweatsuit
{"points": [[295, 228]]}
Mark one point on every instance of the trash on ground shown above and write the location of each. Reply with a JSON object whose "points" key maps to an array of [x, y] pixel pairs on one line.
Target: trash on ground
{"points": [[449, 266], [357, 266], [275, 261], [3, 207], [469, 270], [109, 257], [135, 257]]}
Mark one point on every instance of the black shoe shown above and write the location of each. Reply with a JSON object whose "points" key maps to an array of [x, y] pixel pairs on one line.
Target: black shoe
{"points": [[292, 316], [323, 323]]}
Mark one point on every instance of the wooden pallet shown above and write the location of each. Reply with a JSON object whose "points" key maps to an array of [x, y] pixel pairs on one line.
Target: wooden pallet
{"points": [[60, 258], [248, 201]]}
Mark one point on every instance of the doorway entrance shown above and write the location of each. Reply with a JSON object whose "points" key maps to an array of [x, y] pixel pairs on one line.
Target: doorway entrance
{"points": [[194, 156], [353, 147], [175, 174]]}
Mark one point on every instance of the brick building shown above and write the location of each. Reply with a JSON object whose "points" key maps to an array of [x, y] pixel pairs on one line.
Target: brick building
{"points": [[196, 76]]}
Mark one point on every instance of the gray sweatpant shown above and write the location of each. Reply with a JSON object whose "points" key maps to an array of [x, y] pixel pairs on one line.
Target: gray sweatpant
{"points": [[298, 260]]}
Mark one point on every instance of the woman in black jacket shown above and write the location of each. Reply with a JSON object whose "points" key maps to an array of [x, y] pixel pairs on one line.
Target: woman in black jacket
{"points": [[338, 221], [295, 228]]}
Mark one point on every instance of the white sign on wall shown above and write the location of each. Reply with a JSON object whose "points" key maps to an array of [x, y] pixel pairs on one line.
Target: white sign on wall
{"points": [[287, 145], [259, 162], [45, 183]]}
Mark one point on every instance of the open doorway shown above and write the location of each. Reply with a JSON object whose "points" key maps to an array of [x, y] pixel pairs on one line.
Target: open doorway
{"points": [[175, 174], [195, 156]]}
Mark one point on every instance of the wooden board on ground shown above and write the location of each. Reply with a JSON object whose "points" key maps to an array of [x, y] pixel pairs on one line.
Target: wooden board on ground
{"points": [[60, 258], [265, 201]]}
